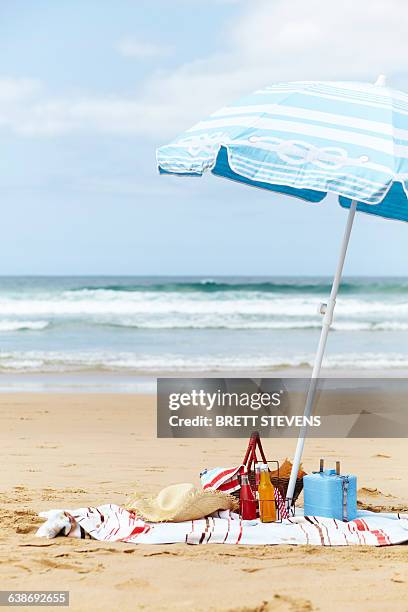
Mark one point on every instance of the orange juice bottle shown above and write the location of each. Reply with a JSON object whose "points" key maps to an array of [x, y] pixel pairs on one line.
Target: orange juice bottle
{"points": [[266, 490]]}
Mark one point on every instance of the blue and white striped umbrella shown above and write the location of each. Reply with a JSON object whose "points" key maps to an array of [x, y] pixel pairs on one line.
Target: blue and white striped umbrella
{"points": [[307, 139]]}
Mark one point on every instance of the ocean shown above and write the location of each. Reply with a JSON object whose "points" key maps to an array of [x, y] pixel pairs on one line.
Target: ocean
{"points": [[141, 327]]}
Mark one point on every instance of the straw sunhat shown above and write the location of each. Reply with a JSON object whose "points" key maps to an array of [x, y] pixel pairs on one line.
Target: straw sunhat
{"points": [[181, 502]]}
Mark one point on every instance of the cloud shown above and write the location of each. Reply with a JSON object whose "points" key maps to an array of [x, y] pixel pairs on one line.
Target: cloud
{"points": [[287, 40], [132, 47], [267, 42], [38, 113], [324, 39], [34, 111], [12, 90]]}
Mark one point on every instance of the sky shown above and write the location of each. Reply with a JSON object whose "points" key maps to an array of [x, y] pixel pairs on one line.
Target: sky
{"points": [[90, 88]]}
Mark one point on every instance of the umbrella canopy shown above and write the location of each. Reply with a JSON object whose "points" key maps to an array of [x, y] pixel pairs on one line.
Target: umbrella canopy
{"points": [[307, 139]]}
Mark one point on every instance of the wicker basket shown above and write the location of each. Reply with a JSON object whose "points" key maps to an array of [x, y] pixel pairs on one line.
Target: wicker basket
{"points": [[278, 482]]}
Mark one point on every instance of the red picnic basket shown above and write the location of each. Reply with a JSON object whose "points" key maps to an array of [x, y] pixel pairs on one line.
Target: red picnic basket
{"points": [[255, 454]]}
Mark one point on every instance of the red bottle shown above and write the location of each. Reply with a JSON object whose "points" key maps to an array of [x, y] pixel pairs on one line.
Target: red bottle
{"points": [[247, 501]]}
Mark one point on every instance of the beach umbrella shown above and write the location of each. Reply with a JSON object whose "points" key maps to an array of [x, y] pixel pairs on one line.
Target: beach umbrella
{"points": [[307, 139]]}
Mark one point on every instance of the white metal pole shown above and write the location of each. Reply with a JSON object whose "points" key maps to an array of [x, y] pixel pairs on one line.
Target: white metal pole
{"points": [[327, 321]]}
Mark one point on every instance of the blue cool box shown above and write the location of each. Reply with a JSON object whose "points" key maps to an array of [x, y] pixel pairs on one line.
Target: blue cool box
{"points": [[331, 495]]}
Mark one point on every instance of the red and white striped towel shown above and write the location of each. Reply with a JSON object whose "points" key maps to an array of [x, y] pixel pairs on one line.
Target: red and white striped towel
{"points": [[110, 523], [227, 480], [222, 479]]}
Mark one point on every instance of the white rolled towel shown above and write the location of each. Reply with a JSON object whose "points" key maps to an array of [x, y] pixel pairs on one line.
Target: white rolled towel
{"points": [[57, 523]]}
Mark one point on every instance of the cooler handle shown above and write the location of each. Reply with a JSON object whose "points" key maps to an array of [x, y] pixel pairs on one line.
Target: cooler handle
{"points": [[321, 468]]}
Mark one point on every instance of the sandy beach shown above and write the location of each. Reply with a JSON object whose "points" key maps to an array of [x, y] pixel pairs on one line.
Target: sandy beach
{"points": [[204, 233], [77, 450]]}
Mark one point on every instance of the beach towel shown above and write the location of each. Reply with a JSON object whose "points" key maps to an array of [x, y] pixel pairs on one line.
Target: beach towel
{"points": [[227, 480], [111, 523], [222, 479]]}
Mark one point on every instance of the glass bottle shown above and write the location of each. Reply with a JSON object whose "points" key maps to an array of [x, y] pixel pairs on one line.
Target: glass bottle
{"points": [[266, 490], [247, 501]]}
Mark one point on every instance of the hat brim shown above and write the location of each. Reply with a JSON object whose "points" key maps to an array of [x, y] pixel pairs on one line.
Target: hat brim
{"points": [[194, 505]]}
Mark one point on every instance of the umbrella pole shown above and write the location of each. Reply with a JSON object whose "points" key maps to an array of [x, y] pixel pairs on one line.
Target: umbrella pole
{"points": [[327, 321]]}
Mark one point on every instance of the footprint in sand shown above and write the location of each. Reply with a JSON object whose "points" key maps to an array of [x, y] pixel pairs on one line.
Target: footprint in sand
{"points": [[377, 501], [397, 578], [45, 445], [49, 495], [23, 521], [280, 603], [63, 565], [133, 583], [95, 549], [18, 494], [23, 567], [368, 492], [26, 528], [37, 544], [294, 603], [159, 553]]}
